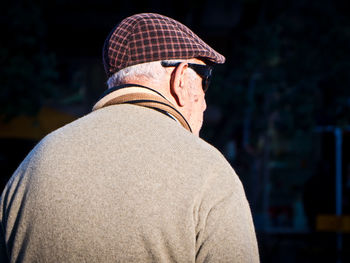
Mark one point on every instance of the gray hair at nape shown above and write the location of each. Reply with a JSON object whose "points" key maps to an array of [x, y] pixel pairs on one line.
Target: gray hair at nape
{"points": [[150, 70], [153, 71]]}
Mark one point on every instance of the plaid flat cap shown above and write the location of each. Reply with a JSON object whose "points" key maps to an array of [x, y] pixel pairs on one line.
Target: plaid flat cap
{"points": [[151, 37]]}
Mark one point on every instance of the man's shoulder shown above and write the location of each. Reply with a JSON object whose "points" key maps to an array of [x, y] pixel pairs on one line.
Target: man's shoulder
{"points": [[204, 150], [134, 134]]}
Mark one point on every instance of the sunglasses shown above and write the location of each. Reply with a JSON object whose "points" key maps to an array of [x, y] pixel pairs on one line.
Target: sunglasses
{"points": [[204, 71]]}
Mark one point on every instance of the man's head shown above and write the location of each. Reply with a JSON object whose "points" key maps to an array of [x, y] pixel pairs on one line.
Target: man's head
{"points": [[159, 52]]}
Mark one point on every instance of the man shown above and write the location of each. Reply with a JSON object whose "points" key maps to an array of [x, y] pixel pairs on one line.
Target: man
{"points": [[132, 181]]}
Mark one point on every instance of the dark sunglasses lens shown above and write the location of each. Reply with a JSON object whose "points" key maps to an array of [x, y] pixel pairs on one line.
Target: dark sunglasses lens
{"points": [[206, 83], [206, 79], [204, 71]]}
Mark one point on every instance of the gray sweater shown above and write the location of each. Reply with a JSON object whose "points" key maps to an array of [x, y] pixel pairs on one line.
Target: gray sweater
{"points": [[125, 184]]}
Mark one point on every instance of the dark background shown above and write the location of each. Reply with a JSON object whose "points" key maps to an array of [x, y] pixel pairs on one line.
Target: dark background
{"points": [[272, 107]]}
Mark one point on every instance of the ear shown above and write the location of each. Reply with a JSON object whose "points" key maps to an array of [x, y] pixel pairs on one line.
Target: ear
{"points": [[177, 84]]}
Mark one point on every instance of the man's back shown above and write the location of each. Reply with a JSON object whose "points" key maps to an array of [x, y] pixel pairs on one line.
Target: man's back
{"points": [[125, 184]]}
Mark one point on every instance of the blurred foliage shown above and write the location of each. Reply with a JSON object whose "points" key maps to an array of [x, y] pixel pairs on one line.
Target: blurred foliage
{"points": [[288, 74], [290, 71], [27, 69]]}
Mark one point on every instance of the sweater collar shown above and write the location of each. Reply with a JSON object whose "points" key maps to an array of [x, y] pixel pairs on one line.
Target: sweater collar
{"points": [[141, 96]]}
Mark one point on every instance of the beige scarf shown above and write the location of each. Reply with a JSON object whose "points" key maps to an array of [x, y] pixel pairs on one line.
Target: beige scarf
{"points": [[141, 96]]}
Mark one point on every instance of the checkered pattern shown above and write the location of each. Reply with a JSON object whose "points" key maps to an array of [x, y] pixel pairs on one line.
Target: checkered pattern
{"points": [[151, 37]]}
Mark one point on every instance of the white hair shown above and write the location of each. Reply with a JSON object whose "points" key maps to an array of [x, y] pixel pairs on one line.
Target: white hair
{"points": [[151, 70]]}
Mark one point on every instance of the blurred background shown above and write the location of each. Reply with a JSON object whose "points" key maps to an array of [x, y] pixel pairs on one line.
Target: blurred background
{"points": [[279, 109]]}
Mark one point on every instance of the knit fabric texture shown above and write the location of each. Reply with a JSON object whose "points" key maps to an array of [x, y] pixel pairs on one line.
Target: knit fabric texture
{"points": [[125, 184]]}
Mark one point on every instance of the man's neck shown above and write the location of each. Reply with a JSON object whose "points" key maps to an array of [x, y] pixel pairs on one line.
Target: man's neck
{"points": [[163, 87]]}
